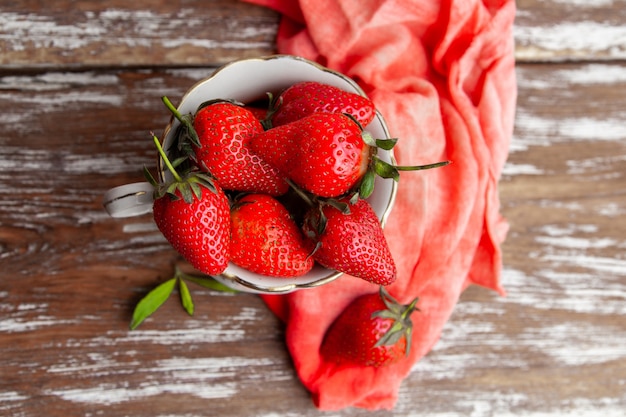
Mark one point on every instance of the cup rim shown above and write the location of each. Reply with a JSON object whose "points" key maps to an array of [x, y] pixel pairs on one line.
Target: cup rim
{"points": [[291, 286]]}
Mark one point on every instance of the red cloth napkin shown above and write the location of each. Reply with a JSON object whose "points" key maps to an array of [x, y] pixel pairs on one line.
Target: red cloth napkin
{"points": [[442, 74]]}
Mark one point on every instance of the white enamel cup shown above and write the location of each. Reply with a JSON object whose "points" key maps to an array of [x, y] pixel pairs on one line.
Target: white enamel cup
{"points": [[246, 81]]}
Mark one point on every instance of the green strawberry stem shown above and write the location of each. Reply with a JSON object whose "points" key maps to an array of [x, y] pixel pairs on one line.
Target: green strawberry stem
{"points": [[173, 109], [207, 281], [274, 104], [421, 167], [386, 170], [166, 159], [186, 121], [188, 186]]}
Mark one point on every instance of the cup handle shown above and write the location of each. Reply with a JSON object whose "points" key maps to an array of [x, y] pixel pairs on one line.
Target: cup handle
{"points": [[129, 200]]}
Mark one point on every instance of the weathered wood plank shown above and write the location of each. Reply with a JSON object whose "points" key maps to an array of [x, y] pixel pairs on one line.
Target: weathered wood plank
{"points": [[570, 30], [71, 275], [153, 33], [148, 33]]}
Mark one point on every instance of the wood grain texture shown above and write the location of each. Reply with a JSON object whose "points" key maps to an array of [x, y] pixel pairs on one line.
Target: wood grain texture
{"points": [[61, 33], [70, 275], [570, 30]]}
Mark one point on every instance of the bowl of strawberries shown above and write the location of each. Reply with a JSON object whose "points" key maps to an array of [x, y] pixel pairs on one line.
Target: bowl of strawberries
{"points": [[274, 174]]}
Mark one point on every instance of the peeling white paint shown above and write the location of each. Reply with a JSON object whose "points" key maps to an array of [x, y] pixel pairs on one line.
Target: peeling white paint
{"points": [[498, 403], [51, 81], [101, 367], [581, 243], [599, 38], [229, 330], [585, 3], [537, 130], [11, 396], [513, 169], [15, 325], [104, 164], [199, 377], [568, 229], [32, 307], [142, 227], [191, 73], [70, 163], [39, 31], [592, 74], [600, 264], [105, 394], [579, 292], [65, 100], [112, 26], [595, 165], [578, 345], [198, 369], [211, 334], [572, 206], [612, 210], [585, 75]]}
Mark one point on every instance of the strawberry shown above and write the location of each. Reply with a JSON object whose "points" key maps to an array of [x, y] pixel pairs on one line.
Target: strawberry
{"points": [[350, 241], [192, 212], [265, 239], [374, 330], [328, 155], [308, 97], [323, 153], [224, 132], [217, 139]]}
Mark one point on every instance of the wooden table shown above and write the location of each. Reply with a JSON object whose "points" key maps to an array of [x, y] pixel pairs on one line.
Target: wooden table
{"points": [[80, 83]]}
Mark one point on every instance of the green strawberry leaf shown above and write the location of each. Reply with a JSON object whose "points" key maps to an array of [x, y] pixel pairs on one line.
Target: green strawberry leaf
{"points": [[185, 120], [392, 336], [339, 205], [384, 169], [205, 181], [179, 161], [155, 298], [386, 144], [207, 282], [151, 302], [197, 191], [185, 297], [171, 190], [149, 177], [185, 190], [368, 138], [367, 184], [400, 315]]}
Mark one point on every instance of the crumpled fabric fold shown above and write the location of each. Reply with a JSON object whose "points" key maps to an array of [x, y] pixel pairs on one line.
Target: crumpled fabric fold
{"points": [[441, 72]]}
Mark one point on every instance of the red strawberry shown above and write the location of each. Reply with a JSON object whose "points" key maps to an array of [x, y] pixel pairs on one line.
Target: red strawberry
{"points": [[308, 97], [266, 240], [352, 242], [224, 131], [374, 330], [322, 153], [192, 212]]}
